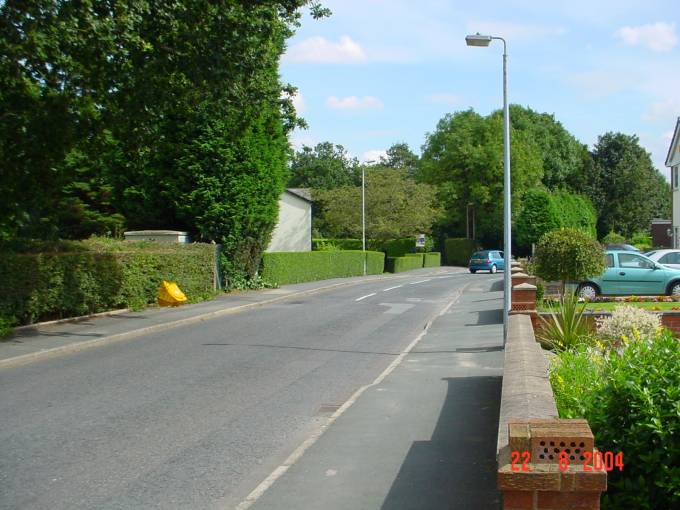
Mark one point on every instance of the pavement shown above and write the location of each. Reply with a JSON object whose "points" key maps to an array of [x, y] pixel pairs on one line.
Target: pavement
{"points": [[424, 437], [380, 393]]}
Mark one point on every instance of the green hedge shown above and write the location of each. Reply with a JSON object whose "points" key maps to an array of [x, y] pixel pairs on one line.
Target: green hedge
{"points": [[432, 259], [458, 250], [284, 268], [420, 256], [320, 244], [400, 264], [68, 279]]}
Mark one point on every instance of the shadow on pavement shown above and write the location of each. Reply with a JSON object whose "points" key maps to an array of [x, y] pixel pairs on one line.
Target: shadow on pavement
{"points": [[456, 469], [486, 317], [497, 286]]}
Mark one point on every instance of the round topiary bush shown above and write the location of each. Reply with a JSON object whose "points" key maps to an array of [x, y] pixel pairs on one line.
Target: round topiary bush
{"points": [[568, 255]]}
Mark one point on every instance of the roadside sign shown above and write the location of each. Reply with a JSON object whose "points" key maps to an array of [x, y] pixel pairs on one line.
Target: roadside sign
{"points": [[420, 241]]}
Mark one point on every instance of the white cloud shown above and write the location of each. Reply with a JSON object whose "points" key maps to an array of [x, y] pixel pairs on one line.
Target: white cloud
{"points": [[373, 156], [665, 110], [655, 36], [444, 98], [515, 31], [298, 102], [354, 103], [320, 50]]}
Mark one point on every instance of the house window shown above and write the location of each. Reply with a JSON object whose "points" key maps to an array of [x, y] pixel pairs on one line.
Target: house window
{"points": [[675, 177]]}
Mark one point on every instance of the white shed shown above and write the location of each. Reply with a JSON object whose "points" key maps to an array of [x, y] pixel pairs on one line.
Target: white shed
{"points": [[293, 230]]}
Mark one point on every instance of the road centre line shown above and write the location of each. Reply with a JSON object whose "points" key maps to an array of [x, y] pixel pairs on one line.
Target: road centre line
{"points": [[421, 281], [392, 288], [364, 297]]}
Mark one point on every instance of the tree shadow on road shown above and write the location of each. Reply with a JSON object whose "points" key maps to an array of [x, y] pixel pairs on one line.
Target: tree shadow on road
{"points": [[456, 468]]}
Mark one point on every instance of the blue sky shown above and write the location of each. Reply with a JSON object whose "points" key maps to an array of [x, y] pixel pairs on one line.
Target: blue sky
{"points": [[384, 71]]}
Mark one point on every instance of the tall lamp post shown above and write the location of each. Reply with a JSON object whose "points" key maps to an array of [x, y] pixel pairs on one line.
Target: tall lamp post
{"points": [[485, 40], [363, 213]]}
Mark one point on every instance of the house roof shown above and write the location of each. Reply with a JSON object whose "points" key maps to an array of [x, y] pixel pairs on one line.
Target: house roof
{"points": [[302, 193], [674, 143]]}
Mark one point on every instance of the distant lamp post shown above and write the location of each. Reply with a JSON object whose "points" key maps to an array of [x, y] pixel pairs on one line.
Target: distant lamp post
{"points": [[483, 41], [363, 210]]}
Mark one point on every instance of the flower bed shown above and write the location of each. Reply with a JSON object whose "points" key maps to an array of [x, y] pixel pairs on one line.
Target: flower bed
{"points": [[624, 379]]}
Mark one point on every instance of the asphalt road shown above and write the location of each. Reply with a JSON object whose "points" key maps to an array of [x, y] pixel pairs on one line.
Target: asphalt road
{"points": [[197, 416]]}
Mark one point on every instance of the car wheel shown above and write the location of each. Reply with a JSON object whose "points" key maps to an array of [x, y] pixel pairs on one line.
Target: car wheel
{"points": [[473, 271], [587, 291], [675, 289], [493, 269]]}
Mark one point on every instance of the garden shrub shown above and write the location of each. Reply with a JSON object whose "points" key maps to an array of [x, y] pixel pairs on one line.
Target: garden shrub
{"points": [[433, 259], [613, 238], [285, 268], [628, 321], [400, 264], [568, 255], [398, 247], [642, 241], [457, 250], [566, 327], [83, 277], [320, 244], [631, 400]]}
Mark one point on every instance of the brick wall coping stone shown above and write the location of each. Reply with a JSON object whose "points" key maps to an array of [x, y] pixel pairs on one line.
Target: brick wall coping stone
{"points": [[520, 275], [526, 392], [524, 286]]}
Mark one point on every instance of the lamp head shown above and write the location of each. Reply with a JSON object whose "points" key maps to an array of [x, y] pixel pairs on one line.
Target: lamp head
{"points": [[478, 40]]}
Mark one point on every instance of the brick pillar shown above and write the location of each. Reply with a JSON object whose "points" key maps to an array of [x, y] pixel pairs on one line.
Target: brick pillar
{"points": [[523, 297], [518, 278], [540, 483]]}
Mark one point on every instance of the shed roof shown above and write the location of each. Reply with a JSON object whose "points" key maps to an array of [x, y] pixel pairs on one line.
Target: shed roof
{"points": [[302, 193]]}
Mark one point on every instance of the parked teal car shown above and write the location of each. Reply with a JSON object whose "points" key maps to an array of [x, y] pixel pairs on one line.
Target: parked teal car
{"points": [[487, 260], [630, 273]]}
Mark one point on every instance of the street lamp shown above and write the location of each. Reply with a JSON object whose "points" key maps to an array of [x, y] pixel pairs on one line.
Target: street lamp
{"points": [[483, 41], [363, 209]]}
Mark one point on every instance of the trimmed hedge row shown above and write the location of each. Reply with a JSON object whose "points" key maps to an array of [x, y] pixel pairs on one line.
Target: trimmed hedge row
{"points": [[458, 250], [432, 259], [400, 264], [98, 276], [283, 268], [391, 248]]}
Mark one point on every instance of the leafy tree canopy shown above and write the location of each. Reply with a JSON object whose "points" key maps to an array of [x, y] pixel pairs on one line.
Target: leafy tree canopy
{"points": [[463, 158], [626, 189], [145, 113], [396, 206], [400, 155], [326, 166]]}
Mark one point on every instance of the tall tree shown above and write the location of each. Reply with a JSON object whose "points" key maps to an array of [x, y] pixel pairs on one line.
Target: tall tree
{"points": [[168, 113], [326, 166], [627, 190], [561, 152], [464, 159], [399, 155], [396, 206]]}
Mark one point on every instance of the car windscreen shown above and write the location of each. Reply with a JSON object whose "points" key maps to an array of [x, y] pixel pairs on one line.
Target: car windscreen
{"points": [[480, 255]]}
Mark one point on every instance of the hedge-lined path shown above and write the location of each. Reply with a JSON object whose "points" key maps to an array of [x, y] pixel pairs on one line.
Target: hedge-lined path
{"points": [[34, 343], [198, 415]]}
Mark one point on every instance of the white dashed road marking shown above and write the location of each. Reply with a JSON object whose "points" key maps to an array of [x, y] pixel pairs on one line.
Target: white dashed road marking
{"points": [[421, 281], [392, 288], [364, 297]]}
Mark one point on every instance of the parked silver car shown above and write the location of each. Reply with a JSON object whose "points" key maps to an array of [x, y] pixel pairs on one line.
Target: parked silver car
{"points": [[670, 258]]}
